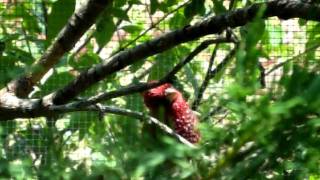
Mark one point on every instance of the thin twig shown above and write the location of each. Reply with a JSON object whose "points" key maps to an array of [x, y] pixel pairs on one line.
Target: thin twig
{"points": [[262, 77], [224, 62], [211, 113], [205, 83], [153, 25], [232, 3], [126, 112], [83, 44], [212, 74], [212, 25], [144, 73], [79, 22], [312, 48], [26, 39], [91, 35], [222, 118], [45, 17]]}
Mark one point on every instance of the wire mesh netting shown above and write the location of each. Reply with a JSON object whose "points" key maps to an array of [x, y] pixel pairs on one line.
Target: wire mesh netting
{"points": [[24, 32]]}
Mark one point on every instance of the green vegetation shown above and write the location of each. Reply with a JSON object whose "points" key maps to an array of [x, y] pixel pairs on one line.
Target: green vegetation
{"points": [[258, 104]]}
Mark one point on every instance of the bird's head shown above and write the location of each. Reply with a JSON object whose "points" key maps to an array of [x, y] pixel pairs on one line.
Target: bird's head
{"points": [[171, 94]]}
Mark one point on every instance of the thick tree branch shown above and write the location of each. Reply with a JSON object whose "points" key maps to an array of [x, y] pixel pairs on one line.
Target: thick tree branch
{"points": [[77, 25], [134, 88], [27, 108], [13, 107], [283, 9]]}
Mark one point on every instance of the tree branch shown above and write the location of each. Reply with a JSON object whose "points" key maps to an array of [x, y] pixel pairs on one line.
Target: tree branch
{"points": [[13, 107], [284, 9], [124, 112], [77, 25], [277, 66], [211, 74], [134, 88], [205, 82]]}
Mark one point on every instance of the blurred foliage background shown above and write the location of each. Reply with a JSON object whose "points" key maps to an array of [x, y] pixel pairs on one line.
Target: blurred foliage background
{"points": [[259, 115]]}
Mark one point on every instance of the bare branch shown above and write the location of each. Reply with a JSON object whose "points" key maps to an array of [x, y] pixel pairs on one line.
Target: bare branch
{"points": [[45, 16], [134, 88], [284, 9], [212, 112], [13, 107], [312, 48], [77, 25], [210, 75], [77, 51], [205, 82], [124, 112]]}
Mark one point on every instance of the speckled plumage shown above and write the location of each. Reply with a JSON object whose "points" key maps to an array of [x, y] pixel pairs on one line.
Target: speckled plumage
{"points": [[176, 109], [184, 118]]}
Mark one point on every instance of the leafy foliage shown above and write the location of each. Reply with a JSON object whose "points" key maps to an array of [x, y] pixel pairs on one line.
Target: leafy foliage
{"points": [[60, 13], [248, 132]]}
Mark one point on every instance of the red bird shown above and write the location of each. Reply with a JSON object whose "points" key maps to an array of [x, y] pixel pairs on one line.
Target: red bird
{"points": [[185, 120], [166, 102], [154, 98]]}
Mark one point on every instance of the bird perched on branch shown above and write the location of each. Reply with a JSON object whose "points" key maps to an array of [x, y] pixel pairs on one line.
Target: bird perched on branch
{"points": [[156, 102], [168, 105], [153, 98], [185, 120]]}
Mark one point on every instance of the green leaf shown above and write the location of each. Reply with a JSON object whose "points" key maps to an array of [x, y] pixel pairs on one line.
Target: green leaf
{"points": [[132, 28], [312, 94], [104, 31], [85, 61], [8, 69], [137, 65], [51, 84], [153, 6], [194, 8], [57, 19], [164, 63], [8, 38], [134, 2], [30, 22], [302, 22], [313, 39], [82, 121], [119, 3], [120, 14], [218, 7], [191, 77], [21, 55], [178, 21], [248, 54], [165, 6]]}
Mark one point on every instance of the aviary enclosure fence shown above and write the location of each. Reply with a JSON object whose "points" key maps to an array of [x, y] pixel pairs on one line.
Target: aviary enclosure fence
{"points": [[286, 42]]}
